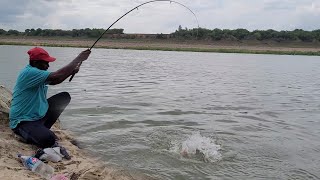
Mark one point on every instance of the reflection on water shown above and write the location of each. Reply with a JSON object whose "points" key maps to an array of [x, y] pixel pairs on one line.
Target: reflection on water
{"points": [[178, 115]]}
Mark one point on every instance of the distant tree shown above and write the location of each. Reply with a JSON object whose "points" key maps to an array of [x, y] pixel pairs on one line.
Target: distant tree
{"points": [[257, 35], [228, 34], [95, 32], [2, 32], [180, 33], [32, 32], [27, 32], [266, 34], [75, 33], [240, 34], [38, 32], [316, 34], [306, 36], [13, 32], [216, 34], [115, 31], [204, 33]]}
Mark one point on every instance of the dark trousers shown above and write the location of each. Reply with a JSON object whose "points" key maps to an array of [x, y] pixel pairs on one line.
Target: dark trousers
{"points": [[38, 132]]}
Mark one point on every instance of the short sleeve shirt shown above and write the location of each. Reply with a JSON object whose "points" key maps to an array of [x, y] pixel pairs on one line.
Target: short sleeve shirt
{"points": [[29, 102]]}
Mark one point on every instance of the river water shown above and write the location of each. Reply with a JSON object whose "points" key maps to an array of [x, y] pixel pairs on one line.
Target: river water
{"points": [[184, 115]]}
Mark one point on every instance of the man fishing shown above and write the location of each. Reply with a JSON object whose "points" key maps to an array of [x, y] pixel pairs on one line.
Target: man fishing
{"points": [[32, 114]]}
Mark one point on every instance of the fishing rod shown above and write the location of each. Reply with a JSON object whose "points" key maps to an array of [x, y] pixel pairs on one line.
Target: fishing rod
{"points": [[136, 8]]}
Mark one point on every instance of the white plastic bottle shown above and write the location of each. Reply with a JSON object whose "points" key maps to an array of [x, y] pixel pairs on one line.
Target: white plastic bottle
{"points": [[37, 166]]}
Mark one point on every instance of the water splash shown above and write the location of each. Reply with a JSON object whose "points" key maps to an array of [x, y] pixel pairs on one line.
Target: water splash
{"points": [[197, 147]]}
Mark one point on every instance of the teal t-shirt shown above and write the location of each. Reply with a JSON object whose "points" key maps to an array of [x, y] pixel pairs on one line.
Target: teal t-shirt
{"points": [[29, 102]]}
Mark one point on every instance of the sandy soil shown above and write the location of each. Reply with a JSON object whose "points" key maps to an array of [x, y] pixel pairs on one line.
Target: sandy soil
{"points": [[81, 166]]}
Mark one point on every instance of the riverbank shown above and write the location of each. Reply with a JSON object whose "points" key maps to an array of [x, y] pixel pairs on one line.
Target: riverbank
{"points": [[82, 165], [249, 47]]}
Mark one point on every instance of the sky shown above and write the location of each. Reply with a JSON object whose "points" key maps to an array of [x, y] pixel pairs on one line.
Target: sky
{"points": [[160, 17]]}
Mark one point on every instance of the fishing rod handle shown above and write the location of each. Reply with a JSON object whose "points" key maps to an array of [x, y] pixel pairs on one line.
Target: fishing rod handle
{"points": [[74, 73], [79, 67], [71, 77]]}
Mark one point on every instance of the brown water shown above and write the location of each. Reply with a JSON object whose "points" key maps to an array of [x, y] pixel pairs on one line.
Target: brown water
{"points": [[232, 116]]}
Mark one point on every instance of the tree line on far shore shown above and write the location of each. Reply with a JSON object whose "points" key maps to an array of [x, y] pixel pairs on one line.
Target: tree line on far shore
{"points": [[59, 32], [180, 33]]}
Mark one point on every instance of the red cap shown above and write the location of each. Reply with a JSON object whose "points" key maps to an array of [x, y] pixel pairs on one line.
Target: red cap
{"points": [[37, 54]]}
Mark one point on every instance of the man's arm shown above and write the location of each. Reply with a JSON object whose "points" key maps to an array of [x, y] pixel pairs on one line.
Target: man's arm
{"points": [[60, 75]]}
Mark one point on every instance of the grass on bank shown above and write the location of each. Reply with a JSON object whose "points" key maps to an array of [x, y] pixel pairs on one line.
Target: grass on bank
{"points": [[215, 50]]}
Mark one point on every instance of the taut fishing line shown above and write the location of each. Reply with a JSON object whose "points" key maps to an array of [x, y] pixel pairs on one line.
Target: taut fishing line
{"points": [[136, 8]]}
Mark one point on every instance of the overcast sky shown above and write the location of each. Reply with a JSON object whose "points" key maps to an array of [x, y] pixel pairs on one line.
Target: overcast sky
{"points": [[160, 17]]}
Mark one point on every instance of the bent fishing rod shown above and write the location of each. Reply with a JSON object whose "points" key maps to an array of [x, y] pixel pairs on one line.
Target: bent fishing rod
{"points": [[136, 8]]}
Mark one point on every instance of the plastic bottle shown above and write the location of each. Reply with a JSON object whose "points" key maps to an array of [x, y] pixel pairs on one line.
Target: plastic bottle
{"points": [[37, 166]]}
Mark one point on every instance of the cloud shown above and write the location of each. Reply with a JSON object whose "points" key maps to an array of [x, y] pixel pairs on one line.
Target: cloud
{"points": [[160, 17], [10, 9], [267, 14]]}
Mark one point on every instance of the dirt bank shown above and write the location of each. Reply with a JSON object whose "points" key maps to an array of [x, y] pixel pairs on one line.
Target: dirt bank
{"points": [[250, 46]]}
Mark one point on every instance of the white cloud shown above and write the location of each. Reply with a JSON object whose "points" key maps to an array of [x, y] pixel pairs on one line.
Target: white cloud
{"points": [[160, 17]]}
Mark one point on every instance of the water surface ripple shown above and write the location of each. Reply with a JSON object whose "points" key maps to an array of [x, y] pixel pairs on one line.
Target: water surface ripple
{"points": [[179, 115]]}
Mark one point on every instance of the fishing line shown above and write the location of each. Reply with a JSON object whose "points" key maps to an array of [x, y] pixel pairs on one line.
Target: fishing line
{"points": [[136, 8]]}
